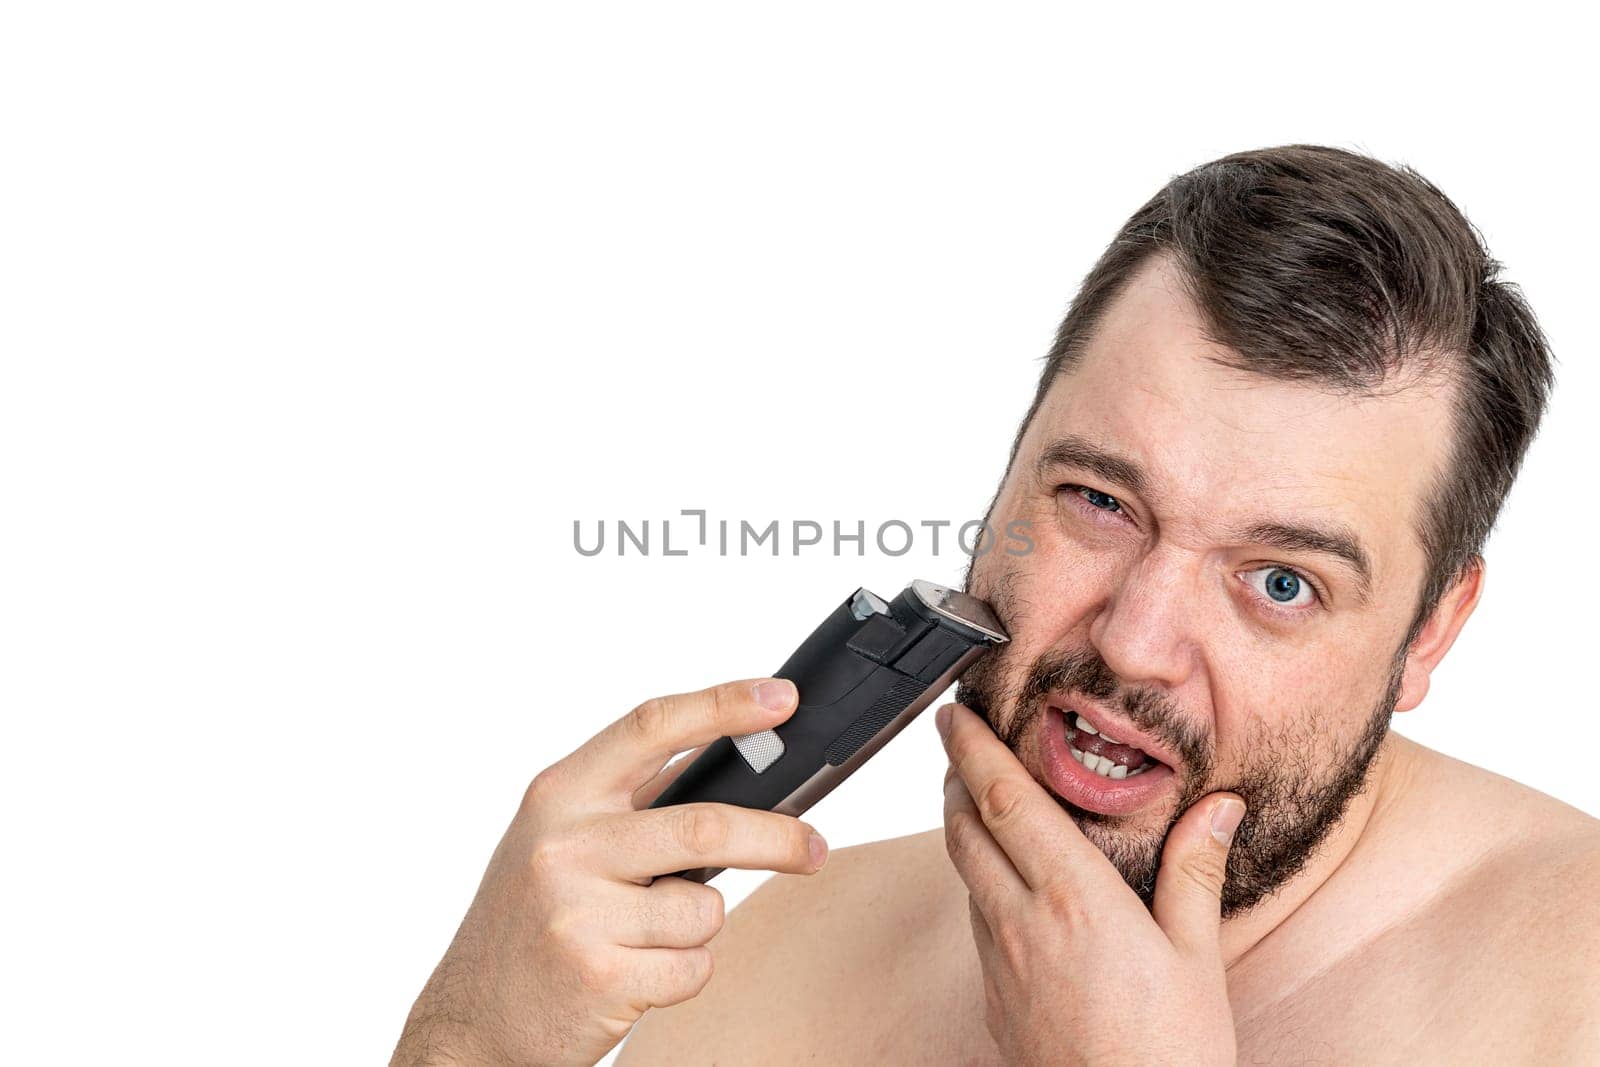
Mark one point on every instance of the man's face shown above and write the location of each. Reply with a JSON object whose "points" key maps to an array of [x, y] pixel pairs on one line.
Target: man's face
{"points": [[1170, 603]]}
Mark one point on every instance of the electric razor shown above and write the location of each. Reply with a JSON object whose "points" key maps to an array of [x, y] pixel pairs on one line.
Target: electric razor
{"points": [[863, 675]]}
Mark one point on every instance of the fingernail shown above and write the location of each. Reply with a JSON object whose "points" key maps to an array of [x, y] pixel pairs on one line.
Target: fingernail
{"points": [[819, 849], [1225, 819], [775, 695], [941, 719]]}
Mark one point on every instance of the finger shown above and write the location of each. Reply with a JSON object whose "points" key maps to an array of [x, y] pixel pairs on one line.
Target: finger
{"points": [[982, 936], [632, 750], [1043, 842], [662, 977], [656, 841], [668, 913], [1188, 898], [994, 964], [647, 793], [991, 878]]}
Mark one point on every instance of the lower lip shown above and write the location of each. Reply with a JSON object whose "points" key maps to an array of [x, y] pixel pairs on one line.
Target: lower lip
{"points": [[1077, 783]]}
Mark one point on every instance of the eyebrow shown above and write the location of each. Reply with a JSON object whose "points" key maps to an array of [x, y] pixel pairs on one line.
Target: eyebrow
{"points": [[1337, 540]]}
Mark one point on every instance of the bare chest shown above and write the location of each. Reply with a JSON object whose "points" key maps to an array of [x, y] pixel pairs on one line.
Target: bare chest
{"points": [[925, 1004]]}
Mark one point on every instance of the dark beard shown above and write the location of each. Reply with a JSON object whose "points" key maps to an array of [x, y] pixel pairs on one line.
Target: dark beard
{"points": [[1296, 783]]}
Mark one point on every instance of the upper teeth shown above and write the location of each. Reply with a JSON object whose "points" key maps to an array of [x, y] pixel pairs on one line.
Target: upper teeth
{"points": [[1088, 728]]}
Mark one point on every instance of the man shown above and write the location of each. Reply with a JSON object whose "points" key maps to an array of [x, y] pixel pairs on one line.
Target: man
{"points": [[1267, 448]]}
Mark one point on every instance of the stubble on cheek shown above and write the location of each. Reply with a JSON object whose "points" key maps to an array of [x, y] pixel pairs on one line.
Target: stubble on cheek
{"points": [[993, 684]]}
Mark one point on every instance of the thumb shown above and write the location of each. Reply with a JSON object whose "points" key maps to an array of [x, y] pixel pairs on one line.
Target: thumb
{"points": [[1188, 900]]}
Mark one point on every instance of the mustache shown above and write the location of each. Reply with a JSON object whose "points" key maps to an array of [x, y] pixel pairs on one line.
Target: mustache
{"points": [[1081, 671]]}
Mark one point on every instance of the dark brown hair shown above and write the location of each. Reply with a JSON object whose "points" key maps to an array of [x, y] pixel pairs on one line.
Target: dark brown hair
{"points": [[1320, 265]]}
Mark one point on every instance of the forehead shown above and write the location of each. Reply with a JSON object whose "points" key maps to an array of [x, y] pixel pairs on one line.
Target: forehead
{"points": [[1222, 447]]}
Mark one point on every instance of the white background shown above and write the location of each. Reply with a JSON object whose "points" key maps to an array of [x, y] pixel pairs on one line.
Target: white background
{"points": [[322, 322]]}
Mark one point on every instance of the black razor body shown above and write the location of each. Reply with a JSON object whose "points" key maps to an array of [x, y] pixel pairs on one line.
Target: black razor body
{"points": [[863, 675]]}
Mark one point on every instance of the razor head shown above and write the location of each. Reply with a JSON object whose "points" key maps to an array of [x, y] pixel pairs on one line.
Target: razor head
{"points": [[961, 608]]}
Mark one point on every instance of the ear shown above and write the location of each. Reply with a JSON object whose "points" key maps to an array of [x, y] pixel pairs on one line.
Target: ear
{"points": [[1439, 634]]}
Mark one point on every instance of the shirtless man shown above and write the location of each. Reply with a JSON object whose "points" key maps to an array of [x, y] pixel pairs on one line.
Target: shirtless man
{"points": [[1267, 448]]}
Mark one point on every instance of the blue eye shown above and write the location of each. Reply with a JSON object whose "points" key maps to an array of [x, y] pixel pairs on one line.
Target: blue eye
{"points": [[1095, 497], [1284, 587]]}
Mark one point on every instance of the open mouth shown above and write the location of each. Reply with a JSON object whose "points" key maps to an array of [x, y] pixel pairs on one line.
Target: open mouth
{"points": [[1094, 769], [1102, 753]]}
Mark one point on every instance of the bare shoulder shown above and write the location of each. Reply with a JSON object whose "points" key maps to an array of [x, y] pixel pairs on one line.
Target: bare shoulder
{"points": [[1532, 905], [1544, 948], [793, 956], [1537, 855]]}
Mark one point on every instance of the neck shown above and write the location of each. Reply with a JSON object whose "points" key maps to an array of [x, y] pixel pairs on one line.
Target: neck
{"points": [[1389, 781]]}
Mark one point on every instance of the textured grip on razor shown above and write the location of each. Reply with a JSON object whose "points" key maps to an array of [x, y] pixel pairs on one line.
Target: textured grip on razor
{"points": [[875, 718]]}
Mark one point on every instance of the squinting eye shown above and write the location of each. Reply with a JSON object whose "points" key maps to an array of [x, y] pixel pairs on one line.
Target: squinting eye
{"points": [[1283, 587], [1095, 497]]}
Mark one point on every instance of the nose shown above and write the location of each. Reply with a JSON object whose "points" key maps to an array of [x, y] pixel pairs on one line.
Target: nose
{"points": [[1145, 629]]}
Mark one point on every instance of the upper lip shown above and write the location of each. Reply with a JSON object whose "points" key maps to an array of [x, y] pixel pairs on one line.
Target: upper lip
{"points": [[1103, 722]]}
